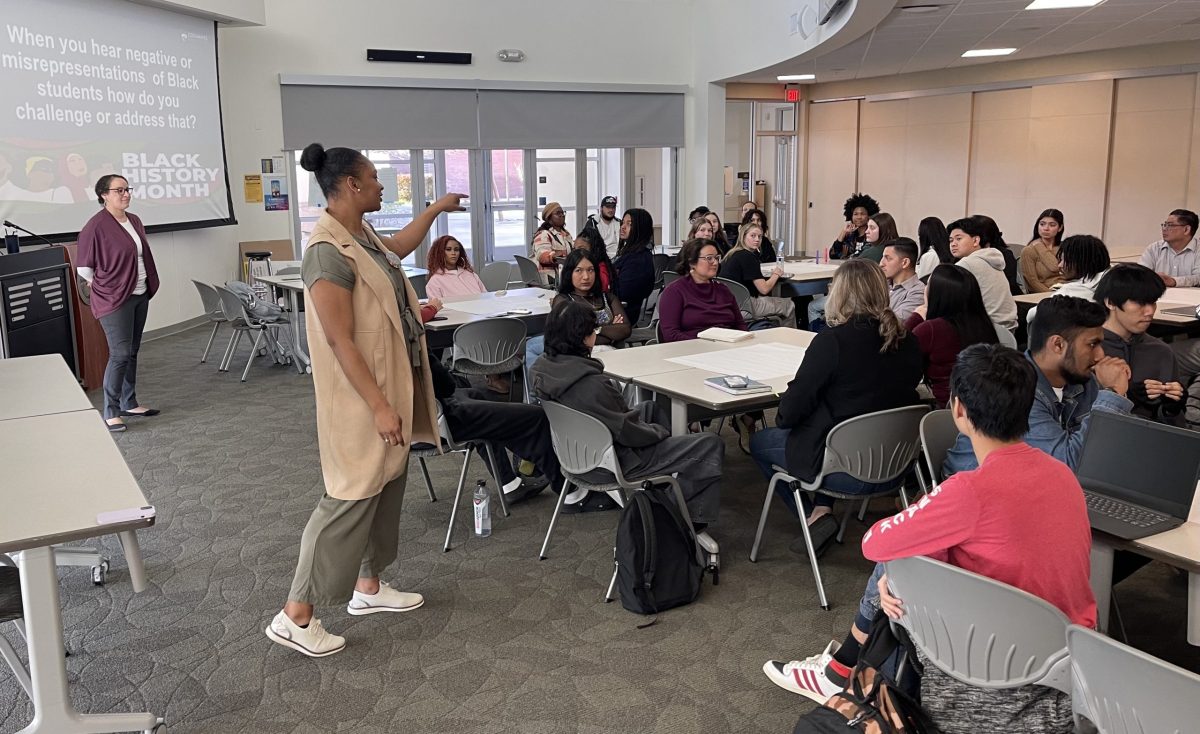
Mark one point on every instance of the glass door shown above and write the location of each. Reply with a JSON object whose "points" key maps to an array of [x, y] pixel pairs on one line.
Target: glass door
{"points": [[556, 182], [452, 173], [506, 224]]}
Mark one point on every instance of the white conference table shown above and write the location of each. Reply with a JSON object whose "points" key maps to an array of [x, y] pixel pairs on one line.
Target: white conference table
{"points": [[1179, 547], [1172, 298], [649, 369], [477, 307], [804, 277], [293, 285], [50, 501], [39, 385]]}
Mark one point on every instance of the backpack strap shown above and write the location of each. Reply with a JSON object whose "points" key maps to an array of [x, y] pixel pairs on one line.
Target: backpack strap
{"points": [[650, 544]]}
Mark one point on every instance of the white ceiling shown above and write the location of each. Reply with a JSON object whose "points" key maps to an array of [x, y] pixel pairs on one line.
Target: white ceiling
{"points": [[908, 42]]}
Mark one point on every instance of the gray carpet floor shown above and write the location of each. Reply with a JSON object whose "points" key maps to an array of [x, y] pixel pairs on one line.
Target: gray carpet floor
{"points": [[505, 642]]}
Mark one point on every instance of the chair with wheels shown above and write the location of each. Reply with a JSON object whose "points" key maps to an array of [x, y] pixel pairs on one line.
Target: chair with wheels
{"points": [[495, 276], [489, 347], [211, 301], [938, 434], [1122, 690], [980, 631], [876, 448], [583, 444]]}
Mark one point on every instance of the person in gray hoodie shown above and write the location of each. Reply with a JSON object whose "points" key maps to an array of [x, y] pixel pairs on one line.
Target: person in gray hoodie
{"points": [[968, 243], [1130, 294], [567, 374]]}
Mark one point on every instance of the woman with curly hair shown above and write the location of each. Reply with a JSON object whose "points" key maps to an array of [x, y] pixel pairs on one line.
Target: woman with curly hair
{"points": [[858, 209], [450, 272]]}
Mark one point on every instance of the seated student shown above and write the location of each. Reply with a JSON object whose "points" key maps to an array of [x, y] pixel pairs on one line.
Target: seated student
{"points": [[1130, 294], [906, 292], [450, 272], [952, 319], [881, 230], [634, 265], [718, 232], [742, 265], [579, 283], [552, 239], [863, 363], [1074, 378], [935, 247], [858, 209], [994, 238], [968, 244], [754, 215], [517, 427], [1039, 259], [1083, 260], [994, 392], [591, 240], [1020, 518], [567, 374], [696, 301]]}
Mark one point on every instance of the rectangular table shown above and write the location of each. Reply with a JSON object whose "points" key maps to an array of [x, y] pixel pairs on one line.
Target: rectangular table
{"points": [[651, 370], [1172, 298], [39, 385], [50, 501], [439, 333], [804, 277], [293, 285]]}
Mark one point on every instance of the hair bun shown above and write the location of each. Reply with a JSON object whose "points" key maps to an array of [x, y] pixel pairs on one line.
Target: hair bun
{"points": [[313, 157]]}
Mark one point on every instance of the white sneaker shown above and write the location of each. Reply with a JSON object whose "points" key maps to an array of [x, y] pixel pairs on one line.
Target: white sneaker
{"points": [[386, 599], [806, 677], [313, 640], [707, 542]]}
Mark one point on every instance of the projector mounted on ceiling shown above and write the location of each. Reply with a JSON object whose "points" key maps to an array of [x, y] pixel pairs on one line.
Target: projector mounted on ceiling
{"points": [[830, 8]]}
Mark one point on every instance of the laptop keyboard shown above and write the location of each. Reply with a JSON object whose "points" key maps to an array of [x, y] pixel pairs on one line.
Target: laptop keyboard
{"points": [[1118, 510]]}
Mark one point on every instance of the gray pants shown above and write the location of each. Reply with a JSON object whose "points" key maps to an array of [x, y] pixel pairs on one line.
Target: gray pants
{"points": [[1187, 358], [123, 330], [346, 540], [697, 458], [765, 307]]}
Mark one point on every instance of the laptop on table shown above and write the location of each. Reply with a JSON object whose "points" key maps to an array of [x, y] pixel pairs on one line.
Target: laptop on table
{"points": [[1138, 476]]}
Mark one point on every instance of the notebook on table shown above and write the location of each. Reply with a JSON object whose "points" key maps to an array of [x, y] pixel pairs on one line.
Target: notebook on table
{"points": [[1139, 477], [719, 334], [737, 384]]}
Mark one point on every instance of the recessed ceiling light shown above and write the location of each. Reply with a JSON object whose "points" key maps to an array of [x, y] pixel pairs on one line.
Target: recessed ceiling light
{"points": [[1057, 4], [973, 53], [796, 77]]}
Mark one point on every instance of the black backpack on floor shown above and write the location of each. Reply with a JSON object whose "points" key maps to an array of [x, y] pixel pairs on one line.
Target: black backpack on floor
{"points": [[658, 566]]}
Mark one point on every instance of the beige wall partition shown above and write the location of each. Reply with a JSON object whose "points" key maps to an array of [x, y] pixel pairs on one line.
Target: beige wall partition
{"points": [[1115, 155]]}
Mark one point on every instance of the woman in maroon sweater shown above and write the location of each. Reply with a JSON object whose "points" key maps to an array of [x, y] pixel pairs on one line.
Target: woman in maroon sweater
{"points": [[952, 319], [114, 257], [697, 301]]}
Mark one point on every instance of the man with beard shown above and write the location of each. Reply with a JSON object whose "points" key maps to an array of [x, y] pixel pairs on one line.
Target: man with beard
{"points": [[1074, 379], [608, 225]]}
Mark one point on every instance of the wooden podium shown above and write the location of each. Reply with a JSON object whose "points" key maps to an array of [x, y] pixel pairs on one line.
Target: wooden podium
{"points": [[90, 344]]}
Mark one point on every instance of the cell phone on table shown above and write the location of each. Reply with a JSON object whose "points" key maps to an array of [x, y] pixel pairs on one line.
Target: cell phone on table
{"points": [[519, 311], [735, 381], [438, 318]]}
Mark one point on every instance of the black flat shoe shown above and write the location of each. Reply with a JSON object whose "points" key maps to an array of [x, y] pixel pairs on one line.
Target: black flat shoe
{"points": [[524, 492], [823, 533], [145, 414], [116, 427]]}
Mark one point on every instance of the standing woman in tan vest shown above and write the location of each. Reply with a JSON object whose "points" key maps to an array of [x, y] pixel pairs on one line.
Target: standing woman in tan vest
{"points": [[374, 393]]}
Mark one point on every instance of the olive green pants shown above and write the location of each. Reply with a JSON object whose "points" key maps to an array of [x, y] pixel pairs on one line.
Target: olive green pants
{"points": [[346, 540]]}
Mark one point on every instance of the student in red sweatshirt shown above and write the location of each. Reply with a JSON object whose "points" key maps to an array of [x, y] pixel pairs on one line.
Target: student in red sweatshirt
{"points": [[981, 520]]}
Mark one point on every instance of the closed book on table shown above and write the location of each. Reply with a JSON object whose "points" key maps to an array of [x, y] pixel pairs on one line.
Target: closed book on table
{"points": [[718, 334], [723, 383]]}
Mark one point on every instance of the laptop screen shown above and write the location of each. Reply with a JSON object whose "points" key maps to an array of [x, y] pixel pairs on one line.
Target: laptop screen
{"points": [[1140, 461]]}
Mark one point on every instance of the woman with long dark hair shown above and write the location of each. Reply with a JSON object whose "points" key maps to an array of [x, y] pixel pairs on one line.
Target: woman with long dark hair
{"points": [[766, 251], [635, 261], [1039, 259], [935, 246], [580, 282], [591, 240], [992, 237], [952, 319]]}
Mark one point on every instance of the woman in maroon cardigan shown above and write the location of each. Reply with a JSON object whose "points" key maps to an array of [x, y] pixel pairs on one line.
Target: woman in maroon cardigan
{"points": [[114, 257], [696, 301], [952, 319]]}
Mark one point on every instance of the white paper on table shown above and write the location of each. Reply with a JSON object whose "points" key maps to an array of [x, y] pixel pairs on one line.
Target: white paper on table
{"points": [[489, 306], [758, 361]]}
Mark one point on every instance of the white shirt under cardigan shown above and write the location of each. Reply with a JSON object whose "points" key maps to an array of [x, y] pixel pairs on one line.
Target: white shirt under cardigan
{"points": [[89, 273]]}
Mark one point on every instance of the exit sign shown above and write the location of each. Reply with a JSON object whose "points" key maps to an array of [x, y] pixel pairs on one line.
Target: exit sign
{"points": [[791, 95]]}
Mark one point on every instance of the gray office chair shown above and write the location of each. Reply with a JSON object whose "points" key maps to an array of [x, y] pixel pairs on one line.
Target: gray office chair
{"points": [[1006, 337], [979, 631], [425, 451], [583, 444], [938, 434], [11, 610], [742, 295], [243, 323], [495, 276], [489, 347], [1126, 691], [878, 448], [662, 263], [668, 277], [418, 284], [530, 275], [211, 301]]}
